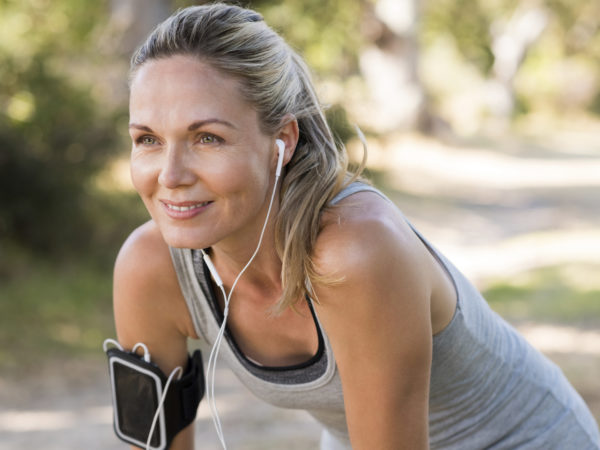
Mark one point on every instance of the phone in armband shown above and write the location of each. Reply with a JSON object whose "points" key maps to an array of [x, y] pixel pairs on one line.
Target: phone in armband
{"points": [[138, 387]]}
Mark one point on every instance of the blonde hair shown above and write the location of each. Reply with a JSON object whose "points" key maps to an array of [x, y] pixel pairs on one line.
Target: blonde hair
{"points": [[276, 82]]}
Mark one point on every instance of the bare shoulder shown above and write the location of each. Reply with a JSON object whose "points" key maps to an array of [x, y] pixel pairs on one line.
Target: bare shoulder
{"points": [[144, 254], [144, 264], [365, 235], [382, 274], [148, 303]]}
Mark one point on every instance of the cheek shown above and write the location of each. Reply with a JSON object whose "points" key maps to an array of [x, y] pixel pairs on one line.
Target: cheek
{"points": [[237, 175], [250, 181], [142, 176]]}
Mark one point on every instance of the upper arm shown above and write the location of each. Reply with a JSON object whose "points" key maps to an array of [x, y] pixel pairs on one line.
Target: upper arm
{"points": [[148, 303], [149, 306], [377, 318]]}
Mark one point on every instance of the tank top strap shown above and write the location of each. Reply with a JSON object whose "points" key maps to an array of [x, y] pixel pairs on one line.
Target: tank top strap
{"points": [[353, 188]]}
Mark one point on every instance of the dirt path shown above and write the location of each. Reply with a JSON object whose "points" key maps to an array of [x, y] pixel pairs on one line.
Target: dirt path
{"points": [[58, 412], [67, 406]]}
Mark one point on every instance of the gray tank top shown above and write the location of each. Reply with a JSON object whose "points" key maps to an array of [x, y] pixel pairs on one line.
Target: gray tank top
{"points": [[489, 388]]}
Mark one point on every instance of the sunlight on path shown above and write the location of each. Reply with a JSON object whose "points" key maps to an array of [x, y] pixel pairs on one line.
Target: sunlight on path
{"points": [[425, 165], [523, 253], [23, 421], [249, 423], [562, 339]]}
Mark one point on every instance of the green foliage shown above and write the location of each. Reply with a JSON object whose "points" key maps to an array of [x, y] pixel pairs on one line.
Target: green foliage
{"points": [[53, 136], [522, 106], [327, 34], [338, 122], [560, 68], [576, 24], [52, 311], [555, 294], [467, 22], [52, 141], [595, 104], [58, 28]]}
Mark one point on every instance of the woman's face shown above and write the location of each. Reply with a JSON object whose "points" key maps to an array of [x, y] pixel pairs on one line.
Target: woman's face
{"points": [[199, 160]]}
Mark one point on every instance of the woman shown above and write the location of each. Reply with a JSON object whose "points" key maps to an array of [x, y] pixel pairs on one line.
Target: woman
{"points": [[346, 310]]}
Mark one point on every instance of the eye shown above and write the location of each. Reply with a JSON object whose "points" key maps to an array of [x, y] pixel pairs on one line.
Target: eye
{"points": [[208, 138], [146, 140]]}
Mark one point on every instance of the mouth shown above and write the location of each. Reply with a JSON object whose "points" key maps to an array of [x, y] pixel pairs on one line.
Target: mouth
{"points": [[184, 210]]}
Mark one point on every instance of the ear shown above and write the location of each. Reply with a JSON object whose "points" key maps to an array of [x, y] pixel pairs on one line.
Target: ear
{"points": [[288, 133]]}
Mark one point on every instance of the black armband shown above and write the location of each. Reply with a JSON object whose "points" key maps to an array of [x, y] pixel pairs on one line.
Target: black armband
{"points": [[137, 387]]}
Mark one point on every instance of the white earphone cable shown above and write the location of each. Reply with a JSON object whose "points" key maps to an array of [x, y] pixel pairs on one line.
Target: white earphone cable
{"points": [[212, 360], [162, 400]]}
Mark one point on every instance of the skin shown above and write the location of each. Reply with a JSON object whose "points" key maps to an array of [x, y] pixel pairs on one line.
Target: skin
{"points": [[195, 140]]}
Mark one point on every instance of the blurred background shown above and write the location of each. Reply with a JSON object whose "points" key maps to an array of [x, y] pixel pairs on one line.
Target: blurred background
{"points": [[483, 123]]}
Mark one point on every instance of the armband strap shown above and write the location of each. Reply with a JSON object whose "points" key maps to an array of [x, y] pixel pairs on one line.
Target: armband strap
{"points": [[137, 386]]}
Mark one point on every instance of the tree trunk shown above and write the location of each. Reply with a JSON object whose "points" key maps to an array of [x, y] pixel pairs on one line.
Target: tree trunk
{"points": [[389, 66]]}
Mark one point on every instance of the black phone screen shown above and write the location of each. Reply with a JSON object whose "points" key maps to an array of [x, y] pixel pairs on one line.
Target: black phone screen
{"points": [[137, 400]]}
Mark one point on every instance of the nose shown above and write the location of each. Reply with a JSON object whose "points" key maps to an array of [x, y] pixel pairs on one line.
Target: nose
{"points": [[176, 170]]}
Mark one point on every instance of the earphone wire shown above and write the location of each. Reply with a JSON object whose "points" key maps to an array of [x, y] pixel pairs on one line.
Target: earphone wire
{"points": [[161, 402], [212, 360]]}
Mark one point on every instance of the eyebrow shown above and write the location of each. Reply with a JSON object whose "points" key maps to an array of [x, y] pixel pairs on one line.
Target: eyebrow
{"points": [[193, 126], [141, 127], [201, 123]]}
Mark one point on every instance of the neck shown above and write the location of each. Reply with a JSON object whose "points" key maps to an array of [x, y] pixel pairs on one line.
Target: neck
{"points": [[230, 256], [264, 271]]}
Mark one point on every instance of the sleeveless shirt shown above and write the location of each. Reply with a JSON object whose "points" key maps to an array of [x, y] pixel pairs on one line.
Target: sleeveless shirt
{"points": [[488, 388]]}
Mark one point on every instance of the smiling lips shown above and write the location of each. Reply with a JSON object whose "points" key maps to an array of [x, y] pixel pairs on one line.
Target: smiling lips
{"points": [[184, 210]]}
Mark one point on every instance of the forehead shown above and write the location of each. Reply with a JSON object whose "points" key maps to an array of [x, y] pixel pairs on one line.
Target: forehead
{"points": [[180, 86]]}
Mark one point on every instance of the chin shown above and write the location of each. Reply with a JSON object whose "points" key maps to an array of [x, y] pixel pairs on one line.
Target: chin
{"points": [[183, 239]]}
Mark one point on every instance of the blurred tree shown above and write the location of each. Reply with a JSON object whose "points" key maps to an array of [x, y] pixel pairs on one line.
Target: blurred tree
{"points": [[467, 22], [53, 136], [131, 20], [389, 60], [531, 54], [575, 28], [511, 41]]}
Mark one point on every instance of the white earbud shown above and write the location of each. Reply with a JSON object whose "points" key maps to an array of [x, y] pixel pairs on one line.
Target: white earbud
{"points": [[281, 147], [212, 268]]}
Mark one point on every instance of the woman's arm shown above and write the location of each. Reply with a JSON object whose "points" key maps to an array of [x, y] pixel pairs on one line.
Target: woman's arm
{"points": [[378, 322], [149, 306]]}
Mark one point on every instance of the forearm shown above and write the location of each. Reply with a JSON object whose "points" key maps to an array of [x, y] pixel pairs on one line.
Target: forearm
{"points": [[184, 439]]}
